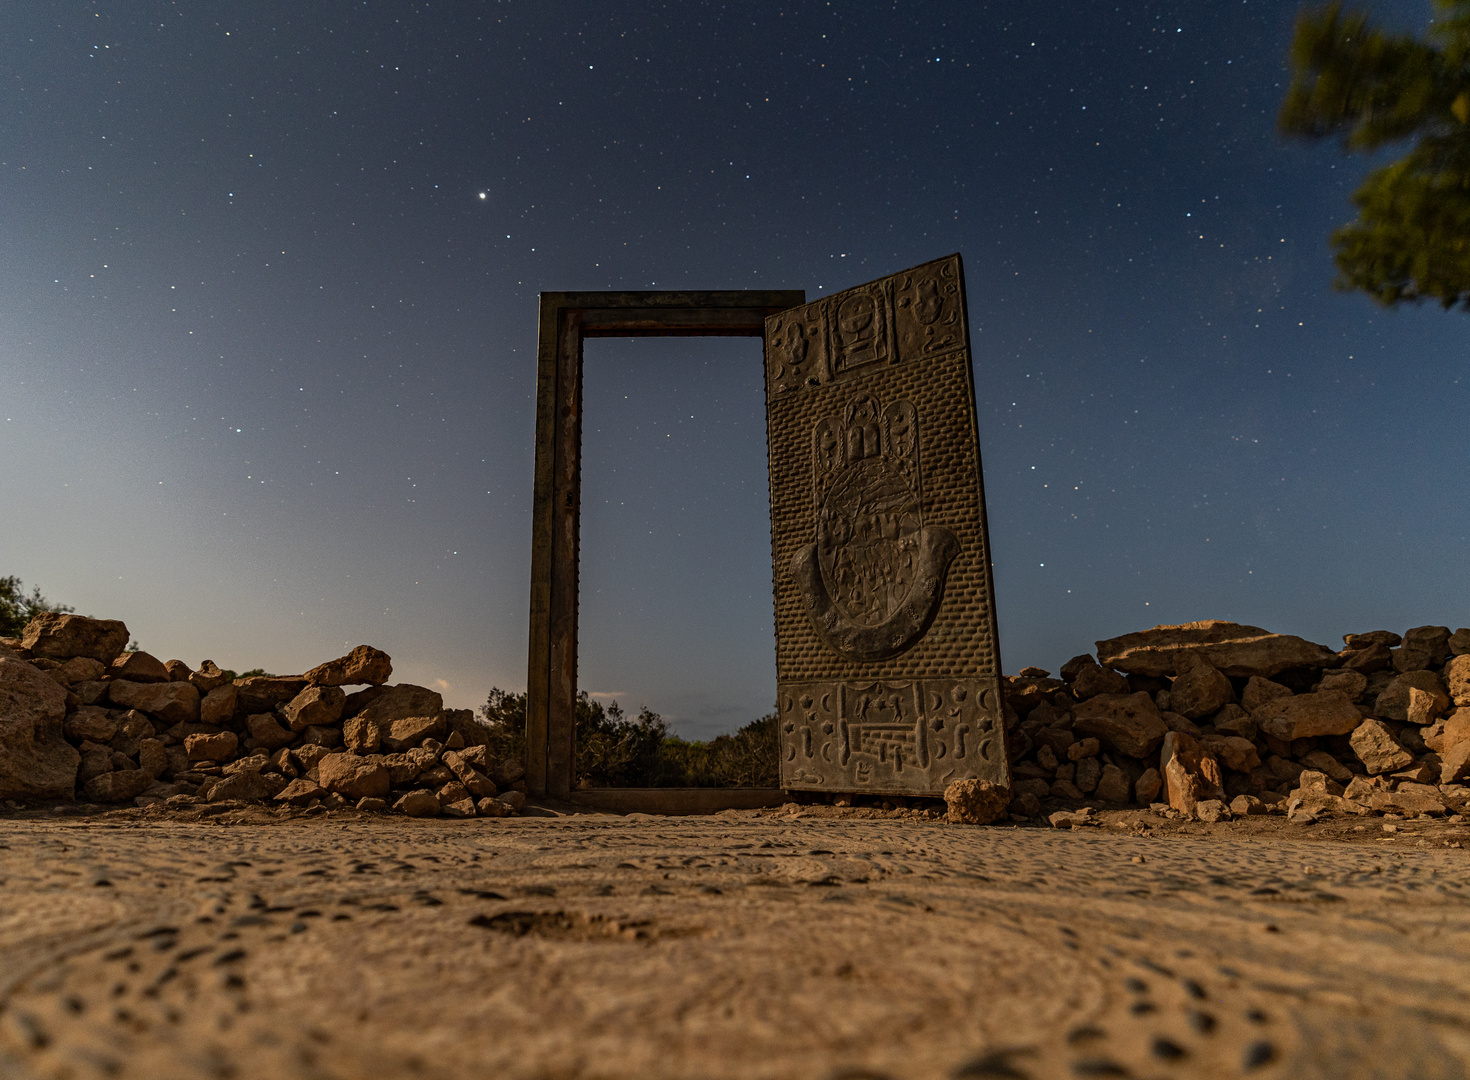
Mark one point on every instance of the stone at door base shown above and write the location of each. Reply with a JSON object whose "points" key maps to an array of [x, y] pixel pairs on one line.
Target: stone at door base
{"points": [[976, 802]]}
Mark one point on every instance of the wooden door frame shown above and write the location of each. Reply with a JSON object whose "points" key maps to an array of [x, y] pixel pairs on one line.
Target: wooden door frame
{"points": [[566, 320]]}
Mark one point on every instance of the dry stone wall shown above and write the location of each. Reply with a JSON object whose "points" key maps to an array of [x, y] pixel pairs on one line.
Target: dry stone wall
{"points": [[1216, 719], [80, 718]]}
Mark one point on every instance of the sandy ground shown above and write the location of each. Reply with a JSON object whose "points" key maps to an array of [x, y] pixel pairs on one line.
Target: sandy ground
{"points": [[818, 944]]}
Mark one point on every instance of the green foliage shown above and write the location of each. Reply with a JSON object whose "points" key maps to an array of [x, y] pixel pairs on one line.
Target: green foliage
{"points": [[17, 608], [1352, 81], [615, 750]]}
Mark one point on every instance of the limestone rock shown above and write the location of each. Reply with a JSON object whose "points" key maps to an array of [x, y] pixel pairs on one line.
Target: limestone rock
{"points": [[400, 702], [1393, 702], [152, 758], [208, 677], [451, 792], [516, 800], [1082, 748], [1258, 691], [315, 705], [171, 702], [1233, 720], [96, 760], [360, 735], [1089, 772], [1370, 659], [267, 732], [1386, 638], [121, 786], [363, 664], [1113, 786], [1174, 722], [1211, 810], [352, 776], [1306, 716], [62, 636], [462, 724], [90, 722], [322, 735], [216, 747], [1191, 774], [369, 805], [1424, 708], [1434, 641], [418, 804], [1352, 683], [971, 802], [1409, 799], [1129, 722], [490, 808], [475, 782], [1146, 788], [1235, 649], [262, 693], [507, 772], [36, 761], [410, 731], [1324, 762], [1199, 690], [245, 786], [90, 691], [1063, 788], [1459, 642], [460, 808], [1092, 680], [1457, 679], [79, 669], [1235, 753], [1377, 749], [138, 667], [1072, 819], [309, 755], [1454, 763], [300, 792], [132, 727], [1247, 806], [218, 705]]}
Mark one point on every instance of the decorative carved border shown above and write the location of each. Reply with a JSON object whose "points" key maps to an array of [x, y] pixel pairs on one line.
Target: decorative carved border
{"points": [[567, 318]]}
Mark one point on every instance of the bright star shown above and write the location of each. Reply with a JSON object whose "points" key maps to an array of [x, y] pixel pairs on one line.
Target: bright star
{"points": [[483, 195]]}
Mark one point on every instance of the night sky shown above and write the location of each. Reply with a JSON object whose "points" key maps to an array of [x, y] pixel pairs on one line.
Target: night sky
{"points": [[268, 289]]}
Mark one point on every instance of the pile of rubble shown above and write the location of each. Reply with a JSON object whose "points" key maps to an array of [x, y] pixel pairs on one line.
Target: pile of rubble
{"points": [[1215, 719], [81, 718]]}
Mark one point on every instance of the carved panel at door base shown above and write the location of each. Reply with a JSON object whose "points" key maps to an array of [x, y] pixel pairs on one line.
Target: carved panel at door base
{"points": [[889, 736]]}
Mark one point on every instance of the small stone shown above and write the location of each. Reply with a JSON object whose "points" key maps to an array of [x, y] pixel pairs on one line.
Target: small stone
{"points": [[1129, 722], [1367, 659], [121, 786], [218, 747], [1393, 702], [1247, 806], [1089, 772], [208, 677], [1199, 689], [1377, 749], [1234, 720], [507, 772], [1424, 707], [1063, 788], [1459, 641], [370, 805], [363, 664], [1352, 683], [325, 736], [452, 792], [1421, 772], [1112, 786], [1324, 762], [152, 757], [79, 669], [1046, 757], [418, 804], [300, 792], [245, 786], [405, 732], [1232, 751], [218, 705], [1147, 787], [265, 731], [1072, 819], [1386, 638], [491, 808], [178, 671], [1083, 748], [138, 667], [314, 706], [1092, 680], [92, 723], [361, 735], [1211, 810], [516, 800], [1258, 691], [460, 808]]}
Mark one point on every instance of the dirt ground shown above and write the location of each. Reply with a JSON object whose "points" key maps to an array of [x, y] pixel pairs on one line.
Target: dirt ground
{"points": [[808, 942]]}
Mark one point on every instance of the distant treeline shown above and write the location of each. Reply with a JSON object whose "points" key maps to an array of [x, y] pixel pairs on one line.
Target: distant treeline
{"points": [[615, 750]]}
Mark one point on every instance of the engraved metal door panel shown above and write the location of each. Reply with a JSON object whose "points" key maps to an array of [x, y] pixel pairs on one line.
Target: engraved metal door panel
{"points": [[887, 661]]}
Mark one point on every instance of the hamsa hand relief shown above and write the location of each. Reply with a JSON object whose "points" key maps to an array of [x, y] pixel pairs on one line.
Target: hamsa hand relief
{"points": [[886, 655]]}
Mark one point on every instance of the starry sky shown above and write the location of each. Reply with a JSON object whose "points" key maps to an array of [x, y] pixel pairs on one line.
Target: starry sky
{"points": [[268, 289]]}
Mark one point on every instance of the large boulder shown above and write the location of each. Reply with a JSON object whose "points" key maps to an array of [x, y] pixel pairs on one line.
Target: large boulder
{"points": [[405, 715], [58, 636], [1199, 690], [1303, 716], [1128, 722], [1191, 773], [36, 761], [313, 706], [138, 667], [1374, 745], [1235, 649], [363, 664], [172, 702], [353, 777]]}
